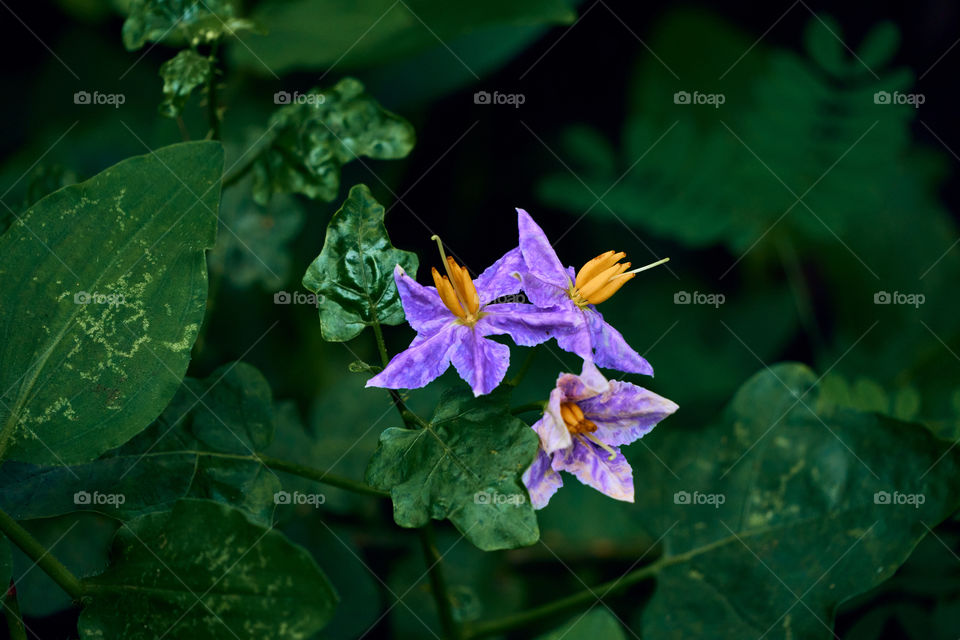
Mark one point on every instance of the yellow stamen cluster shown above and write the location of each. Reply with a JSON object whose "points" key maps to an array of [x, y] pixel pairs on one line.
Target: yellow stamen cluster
{"points": [[601, 278], [573, 417], [456, 289]]}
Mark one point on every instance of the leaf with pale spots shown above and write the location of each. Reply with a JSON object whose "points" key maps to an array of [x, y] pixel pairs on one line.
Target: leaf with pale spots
{"points": [[782, 512], [316, 133], [181, 21], [181, 75], [103, 287], [203, 571], [353, 275], [464, 467]]}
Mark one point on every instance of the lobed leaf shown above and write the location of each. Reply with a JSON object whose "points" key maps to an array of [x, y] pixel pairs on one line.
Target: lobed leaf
{"points": [[311, 140], [181, 21], [464, 467], [353, 275]]}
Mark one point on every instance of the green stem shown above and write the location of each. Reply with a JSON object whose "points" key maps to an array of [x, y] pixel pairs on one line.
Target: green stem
{"points": [[564, 605], [41, 556], [528, 406], [801, 292], [438, 583], [14, 620], [398, 402], [237, 175], [319, 475], [212, 114]]}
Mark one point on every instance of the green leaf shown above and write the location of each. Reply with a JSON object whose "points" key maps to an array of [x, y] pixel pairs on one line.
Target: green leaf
{"points": [[777, 514], [353, 275], [880, 44], [318, 132], [121, 487], [465, 467], [181, 75], [320, 33], [222, 422], [103, 287], [181, 21], [592, 625], [206, 572]]}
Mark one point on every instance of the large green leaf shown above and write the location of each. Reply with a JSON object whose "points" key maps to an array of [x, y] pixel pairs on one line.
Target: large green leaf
{"points": [[353, 275], [318, 132], [784, 509], [103, 287], [180, 21], [222, 422], [320, 33], [121, 487], [202, 445], [204, 571], [465, 467]]}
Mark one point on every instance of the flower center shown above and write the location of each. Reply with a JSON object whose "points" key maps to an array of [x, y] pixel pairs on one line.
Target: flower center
{"points": [[456, 289], [579, 425], [573, 417], [602, 277]]}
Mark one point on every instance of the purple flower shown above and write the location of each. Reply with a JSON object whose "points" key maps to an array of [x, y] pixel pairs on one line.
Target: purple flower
{"points": [[586, 419], [453, 320], [549, 285]]}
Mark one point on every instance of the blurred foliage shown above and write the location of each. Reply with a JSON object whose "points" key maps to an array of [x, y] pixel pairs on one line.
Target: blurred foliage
{"points": [[181, 75], [181, 21]]}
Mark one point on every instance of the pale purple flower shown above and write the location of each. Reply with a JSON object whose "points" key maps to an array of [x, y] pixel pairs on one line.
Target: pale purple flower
{"points": [[453, 327], [585, 421], [549, 285]]}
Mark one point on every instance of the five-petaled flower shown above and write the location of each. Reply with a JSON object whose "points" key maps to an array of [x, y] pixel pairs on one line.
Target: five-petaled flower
{"points": [[453, 319], [585, 421], [549, 285]]}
